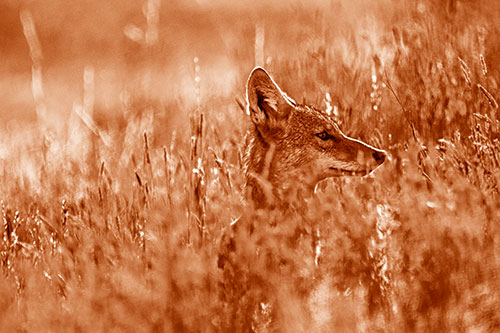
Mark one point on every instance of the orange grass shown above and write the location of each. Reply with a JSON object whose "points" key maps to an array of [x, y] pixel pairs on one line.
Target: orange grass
{"points": [[120, 168]]}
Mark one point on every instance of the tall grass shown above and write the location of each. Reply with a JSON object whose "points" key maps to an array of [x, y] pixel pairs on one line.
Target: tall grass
{"points": [[132, 218]]}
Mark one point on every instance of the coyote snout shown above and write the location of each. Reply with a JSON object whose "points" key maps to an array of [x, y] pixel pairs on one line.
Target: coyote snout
{"points": [[292, 146]]}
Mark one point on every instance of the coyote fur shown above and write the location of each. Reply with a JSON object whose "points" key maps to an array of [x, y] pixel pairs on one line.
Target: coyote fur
{"points": [[291, 147]]}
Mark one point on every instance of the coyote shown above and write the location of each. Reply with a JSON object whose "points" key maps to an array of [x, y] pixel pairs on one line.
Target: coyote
{"points": [[292, 147]]}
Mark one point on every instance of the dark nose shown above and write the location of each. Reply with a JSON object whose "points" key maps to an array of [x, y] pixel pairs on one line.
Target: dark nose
{"points": [[379, 156]]}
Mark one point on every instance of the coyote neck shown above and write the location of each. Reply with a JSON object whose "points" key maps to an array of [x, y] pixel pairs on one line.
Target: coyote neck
{"points": [[265, 186], [258, 157]]}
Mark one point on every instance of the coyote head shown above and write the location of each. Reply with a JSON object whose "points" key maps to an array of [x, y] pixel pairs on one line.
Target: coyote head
{"points": [[293, 145]]}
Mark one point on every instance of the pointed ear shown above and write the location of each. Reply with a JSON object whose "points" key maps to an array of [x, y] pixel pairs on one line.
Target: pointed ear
{"points": [[267, 104]]}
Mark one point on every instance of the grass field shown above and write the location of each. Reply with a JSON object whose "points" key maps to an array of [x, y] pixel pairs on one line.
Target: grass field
{"points": [[120, 167]]}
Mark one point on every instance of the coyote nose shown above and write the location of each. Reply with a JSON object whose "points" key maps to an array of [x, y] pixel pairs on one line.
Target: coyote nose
{"points": [[379, 156]]}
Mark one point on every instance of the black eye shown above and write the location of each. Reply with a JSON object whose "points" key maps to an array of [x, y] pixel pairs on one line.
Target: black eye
{"points": [[323, 135]]}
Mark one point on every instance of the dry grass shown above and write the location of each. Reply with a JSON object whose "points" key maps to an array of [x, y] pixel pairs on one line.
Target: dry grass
{"points": [[118, 194]]}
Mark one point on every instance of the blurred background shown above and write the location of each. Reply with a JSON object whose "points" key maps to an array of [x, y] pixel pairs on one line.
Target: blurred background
{"points": [[148, 47]]}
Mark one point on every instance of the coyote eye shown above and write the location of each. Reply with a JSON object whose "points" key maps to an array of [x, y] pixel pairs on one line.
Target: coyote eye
{"points": [[323, 135]]}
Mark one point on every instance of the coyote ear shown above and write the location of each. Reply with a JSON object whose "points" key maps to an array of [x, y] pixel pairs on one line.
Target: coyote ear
{"points": [[266, 103]]}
